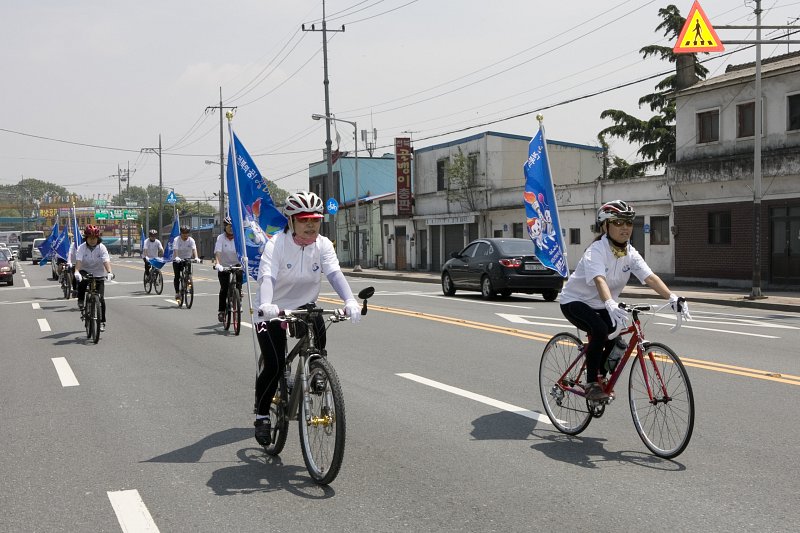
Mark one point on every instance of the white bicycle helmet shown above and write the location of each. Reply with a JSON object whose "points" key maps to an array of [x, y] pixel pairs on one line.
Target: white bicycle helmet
{"points": [[303, 203], [616, 209]]}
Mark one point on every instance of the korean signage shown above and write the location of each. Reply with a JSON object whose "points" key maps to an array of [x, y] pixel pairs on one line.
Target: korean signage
{"points": [[402, 150]]}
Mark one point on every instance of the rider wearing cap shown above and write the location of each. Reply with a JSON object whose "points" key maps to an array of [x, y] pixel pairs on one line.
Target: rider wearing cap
{"points": [[92, 257], [589, 297], [151, 248], [226, 257], [184, 250], [289, 277]]}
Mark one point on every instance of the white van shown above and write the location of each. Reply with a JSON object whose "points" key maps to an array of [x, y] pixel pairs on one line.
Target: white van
{"points": [[36, 255]]}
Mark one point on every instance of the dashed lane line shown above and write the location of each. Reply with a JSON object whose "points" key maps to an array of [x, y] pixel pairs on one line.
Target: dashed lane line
{"points": [[131, 512], [43, 325], [65, 373]]}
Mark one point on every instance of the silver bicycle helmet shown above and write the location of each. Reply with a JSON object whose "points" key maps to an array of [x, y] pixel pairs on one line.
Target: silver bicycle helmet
{"points": [[616, 209], [303, 203]]}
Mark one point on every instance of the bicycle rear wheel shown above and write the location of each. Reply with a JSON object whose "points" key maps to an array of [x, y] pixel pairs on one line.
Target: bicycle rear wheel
{"points": [[279, 419], [236, 311], [666, 421], [96, 309], [566, 410], [322, 430], [158, 282], [189, 294]]}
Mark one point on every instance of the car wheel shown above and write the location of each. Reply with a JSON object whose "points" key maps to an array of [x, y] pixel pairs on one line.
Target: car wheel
{"points": [[448, 289], [505, 293], [550, 295], [487, 291]]}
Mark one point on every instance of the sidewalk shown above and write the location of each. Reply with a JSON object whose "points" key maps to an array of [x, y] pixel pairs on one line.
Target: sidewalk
{"points": [[786, 301]]}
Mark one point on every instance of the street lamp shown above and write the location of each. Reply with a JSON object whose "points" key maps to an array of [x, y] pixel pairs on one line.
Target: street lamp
{"points": [[315, 116]]}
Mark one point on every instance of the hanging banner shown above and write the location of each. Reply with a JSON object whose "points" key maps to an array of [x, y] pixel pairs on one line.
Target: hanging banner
{"points": [[402, 155]]}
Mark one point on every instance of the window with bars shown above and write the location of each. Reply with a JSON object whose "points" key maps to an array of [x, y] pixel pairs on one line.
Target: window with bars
{"points": [[708, 126], [659, 230], [719, 227]]}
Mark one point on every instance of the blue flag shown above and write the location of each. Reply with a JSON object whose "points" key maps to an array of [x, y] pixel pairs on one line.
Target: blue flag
{"points": [[168, 248], [259, 216], [46, 248], [541, 210], [141, 241], [76, 231], [61, 245]]}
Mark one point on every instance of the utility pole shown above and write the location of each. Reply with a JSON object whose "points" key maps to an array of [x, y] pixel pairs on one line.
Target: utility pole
{"points": [[157, 151], [221, 157], [329, 188]]}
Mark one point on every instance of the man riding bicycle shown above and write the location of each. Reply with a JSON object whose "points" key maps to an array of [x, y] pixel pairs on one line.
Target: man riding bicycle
{"points": [[151, 248], [289, 277], [226, 257], [92, 257], [185, 250]]}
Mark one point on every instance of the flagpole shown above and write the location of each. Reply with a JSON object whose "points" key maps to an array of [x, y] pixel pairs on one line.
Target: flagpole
{"points": [[246, 265], [559, 236]]}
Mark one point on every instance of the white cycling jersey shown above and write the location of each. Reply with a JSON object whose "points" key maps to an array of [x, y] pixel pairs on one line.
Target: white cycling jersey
{"points": [[227, 249], [151, 249], [183, 249], [71, 254], [599, 260], [92, 259]]}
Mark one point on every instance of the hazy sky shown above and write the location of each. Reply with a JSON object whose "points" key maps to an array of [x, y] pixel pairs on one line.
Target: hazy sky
{"points": [[117, 74]]}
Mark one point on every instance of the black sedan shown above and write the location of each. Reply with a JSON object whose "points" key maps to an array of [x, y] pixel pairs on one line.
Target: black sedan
{"points": [[502, 266]]}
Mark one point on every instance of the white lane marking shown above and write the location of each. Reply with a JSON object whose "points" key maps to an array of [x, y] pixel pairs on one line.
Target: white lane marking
{"points": [[683, 325], [43, 325], [36, 305], [131, 511], [247, 324], [523, 319], [65, 373], [478, 398], [25, 282], [730, 322]]}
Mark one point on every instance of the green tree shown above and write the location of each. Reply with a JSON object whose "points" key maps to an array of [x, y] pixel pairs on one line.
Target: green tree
{"points": [[463, 185], [656, 135]]}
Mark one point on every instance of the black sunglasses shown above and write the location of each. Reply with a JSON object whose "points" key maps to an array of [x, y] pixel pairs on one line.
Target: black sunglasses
{"points": [[619, 223]]}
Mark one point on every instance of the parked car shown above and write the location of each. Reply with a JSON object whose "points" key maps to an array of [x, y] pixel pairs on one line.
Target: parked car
{"points": [[36, 255], [6, 269], [502, 266], [9, 255]]}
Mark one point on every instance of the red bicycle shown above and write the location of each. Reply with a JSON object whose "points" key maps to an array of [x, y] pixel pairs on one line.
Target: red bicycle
{"points": [[659, 391]]}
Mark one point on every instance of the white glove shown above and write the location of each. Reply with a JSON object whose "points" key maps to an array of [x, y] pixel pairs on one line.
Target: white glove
{"points": [[69, 265], [78, 277], [109, 276], [219, 267], [268, 311], [619, 316], [684, 307], [352, 309]]}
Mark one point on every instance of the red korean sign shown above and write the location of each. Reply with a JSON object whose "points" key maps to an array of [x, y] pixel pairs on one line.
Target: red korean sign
{"points": [[402, 151]]}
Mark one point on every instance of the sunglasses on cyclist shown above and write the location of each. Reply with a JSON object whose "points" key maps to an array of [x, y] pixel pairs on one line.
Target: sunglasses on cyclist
{"points": [[619, 223]]}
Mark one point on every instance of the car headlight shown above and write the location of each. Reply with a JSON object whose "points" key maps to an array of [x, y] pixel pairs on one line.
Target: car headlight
{"points": [[5, 269]]}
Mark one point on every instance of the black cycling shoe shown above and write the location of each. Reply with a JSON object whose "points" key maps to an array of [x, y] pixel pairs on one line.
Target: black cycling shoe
{"points": [[221, 316], [263, 431]]}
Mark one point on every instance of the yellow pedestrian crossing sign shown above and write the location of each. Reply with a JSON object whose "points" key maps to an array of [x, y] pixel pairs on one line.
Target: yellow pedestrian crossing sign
{"points": [[697, 34]]}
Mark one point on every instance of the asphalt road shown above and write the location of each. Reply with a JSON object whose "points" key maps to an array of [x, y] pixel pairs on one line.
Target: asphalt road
{"points": [[442, 426]]}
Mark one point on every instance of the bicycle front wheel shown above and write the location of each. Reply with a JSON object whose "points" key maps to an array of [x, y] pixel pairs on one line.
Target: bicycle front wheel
{"points": [[280, 422], [148, 282], [661, 399], [561, 371], [322, 423], [66, 287], [236, 311], [158, 282], [95, 319], [189, 295], [88, 322]]}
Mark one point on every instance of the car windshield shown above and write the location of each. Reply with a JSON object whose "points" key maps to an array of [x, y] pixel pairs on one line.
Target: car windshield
{"points": [[3, 255], [517, 247]]}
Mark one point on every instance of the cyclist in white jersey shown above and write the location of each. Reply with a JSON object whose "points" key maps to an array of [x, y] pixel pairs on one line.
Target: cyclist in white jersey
{"points": [[289, 276], [92, 257], [589, 297], [184, 250], [151, 248], [225, 256]]}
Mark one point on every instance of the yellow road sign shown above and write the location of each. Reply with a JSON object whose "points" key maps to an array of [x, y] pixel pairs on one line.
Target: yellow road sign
{"points": [[697, 34]]}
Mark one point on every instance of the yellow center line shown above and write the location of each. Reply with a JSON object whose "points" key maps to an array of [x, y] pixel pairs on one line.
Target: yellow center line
{"points": [[689, 362]]}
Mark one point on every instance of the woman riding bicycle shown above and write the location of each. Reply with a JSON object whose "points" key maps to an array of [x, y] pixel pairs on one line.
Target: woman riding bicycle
{"points": [[151, 248], [289, 277], [588, 299], [225, 256], [92, 257], [185, 250]]}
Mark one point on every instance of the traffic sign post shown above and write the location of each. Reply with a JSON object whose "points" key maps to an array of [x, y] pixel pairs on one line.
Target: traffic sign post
{"points": [[698, 34]]}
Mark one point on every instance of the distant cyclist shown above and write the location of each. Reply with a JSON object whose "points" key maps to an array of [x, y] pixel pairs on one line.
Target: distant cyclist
{"points": [[92, 257], [289, 277], [151, 248], [589, 297], [225, 256], [185, 250]]}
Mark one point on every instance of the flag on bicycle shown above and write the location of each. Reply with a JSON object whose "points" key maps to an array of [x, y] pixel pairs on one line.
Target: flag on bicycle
{"points": [[76, 230], [169, 251], [61, 245], [254, 215], [541, 211], [142, 238], [46, 248]]}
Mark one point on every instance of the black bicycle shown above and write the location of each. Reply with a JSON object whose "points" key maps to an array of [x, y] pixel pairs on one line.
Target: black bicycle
{"points": [[233, 301], [318, 402], [153, 279], [92, 310], [65, 280], [186, 284]]}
